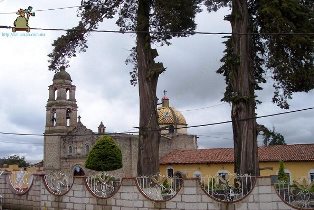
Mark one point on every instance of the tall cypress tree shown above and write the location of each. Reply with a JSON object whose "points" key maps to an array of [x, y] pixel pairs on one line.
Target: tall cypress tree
{"points": [[273, 36], [154, 21], [282, 176]]}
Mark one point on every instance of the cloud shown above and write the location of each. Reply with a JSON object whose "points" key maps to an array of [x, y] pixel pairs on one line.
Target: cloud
{"points": [[102, 79]]}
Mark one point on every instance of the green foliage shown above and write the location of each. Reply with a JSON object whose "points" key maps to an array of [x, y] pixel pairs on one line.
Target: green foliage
{"points": [[303, 185], [164, 17], [214, 5], [166, 183], [289, 57], [104, 156], [270, 137], [282, 176], [14, 159], [282, 44], [166, 189], [153, 21], [274, 36]]}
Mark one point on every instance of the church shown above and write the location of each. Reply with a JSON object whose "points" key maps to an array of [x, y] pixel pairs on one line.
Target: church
{"points": [[67, 141]]}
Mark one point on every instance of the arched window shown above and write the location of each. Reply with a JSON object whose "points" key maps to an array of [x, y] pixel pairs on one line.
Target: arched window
{"points": [[78, 171], [53, 117], [70, 150], [223, 174], [311, 175], [197, 174], [170, 172], [55, 94], [68, 116], [67, 94], [86, 148]]}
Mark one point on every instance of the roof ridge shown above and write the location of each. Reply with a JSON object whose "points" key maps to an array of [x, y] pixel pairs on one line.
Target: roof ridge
{"points": [[294, 152]]}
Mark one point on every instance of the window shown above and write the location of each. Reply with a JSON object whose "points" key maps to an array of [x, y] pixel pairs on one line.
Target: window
{"points": [[55, 94], [311, 175], [87, 148], [288, 175], [67, 94], [197, 174], [170, 172], [70, 150], [68, 117], [222, 175], [54, 117], [78, 171]]}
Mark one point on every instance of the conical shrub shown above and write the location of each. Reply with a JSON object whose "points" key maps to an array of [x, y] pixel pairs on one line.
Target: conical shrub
{"points": [[104, 156]]}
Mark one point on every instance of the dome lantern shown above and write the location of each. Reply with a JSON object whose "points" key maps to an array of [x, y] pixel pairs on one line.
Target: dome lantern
{"points": [[170, 119], [165, 101]]}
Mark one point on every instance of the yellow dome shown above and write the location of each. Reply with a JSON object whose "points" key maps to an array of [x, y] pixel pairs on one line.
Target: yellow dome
{"points": [[168, 115]]}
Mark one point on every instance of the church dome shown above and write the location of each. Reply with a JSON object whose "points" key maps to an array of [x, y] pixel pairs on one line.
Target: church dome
{"points": [[168, 115], [62, 74]]}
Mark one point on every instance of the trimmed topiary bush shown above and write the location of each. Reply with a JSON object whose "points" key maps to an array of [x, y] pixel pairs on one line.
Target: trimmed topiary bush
{"points": [[104, 156]]}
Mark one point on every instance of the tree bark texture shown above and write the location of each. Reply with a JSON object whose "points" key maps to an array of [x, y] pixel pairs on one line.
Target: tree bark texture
{"points": [[149, 135], [243, 102]]}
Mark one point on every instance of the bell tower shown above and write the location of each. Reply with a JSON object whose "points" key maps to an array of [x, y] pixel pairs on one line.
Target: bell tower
{"points": [[61, 117]]}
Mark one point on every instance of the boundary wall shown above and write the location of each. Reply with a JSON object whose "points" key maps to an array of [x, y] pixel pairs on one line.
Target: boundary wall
{"points": [[130, 197]]}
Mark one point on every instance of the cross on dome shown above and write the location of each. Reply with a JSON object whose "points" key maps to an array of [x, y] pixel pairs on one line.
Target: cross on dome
{"points": [[165, 95]]}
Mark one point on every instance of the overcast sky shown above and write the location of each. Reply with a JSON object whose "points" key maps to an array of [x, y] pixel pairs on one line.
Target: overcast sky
{"points": [[102, 79]]}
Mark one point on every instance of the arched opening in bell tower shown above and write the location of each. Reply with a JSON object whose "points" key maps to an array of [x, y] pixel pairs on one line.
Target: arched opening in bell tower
{"points": [[67, 94], [54, 117], [68, 117], [55, 94]]}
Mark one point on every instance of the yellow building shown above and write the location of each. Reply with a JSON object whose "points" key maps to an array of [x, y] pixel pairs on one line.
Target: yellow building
{"points": [[298, 160], [30, 169]]}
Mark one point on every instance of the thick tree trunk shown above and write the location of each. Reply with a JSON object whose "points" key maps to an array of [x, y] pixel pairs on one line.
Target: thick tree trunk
{"points": [[149, 135], [243, 103]]}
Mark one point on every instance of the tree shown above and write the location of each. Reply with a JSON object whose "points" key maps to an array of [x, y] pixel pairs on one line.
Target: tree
{"points": [[154, 21], [270, 137], [104, 156], [270, 36], [282, 176], [14, 160]]}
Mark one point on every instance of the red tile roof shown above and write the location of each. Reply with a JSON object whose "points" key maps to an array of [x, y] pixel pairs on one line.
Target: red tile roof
{"points": [[295, 152]]}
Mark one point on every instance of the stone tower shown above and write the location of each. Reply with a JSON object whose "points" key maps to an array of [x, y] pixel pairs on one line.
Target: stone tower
{"points": [[61, 117]]}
